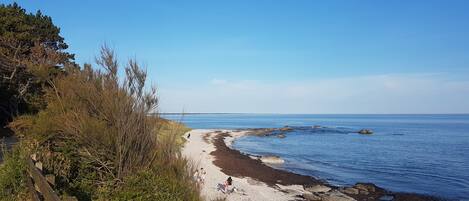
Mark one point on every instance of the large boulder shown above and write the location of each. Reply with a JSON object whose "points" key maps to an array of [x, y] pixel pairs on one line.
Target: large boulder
{"points": [[350, 191], [365, 131]]}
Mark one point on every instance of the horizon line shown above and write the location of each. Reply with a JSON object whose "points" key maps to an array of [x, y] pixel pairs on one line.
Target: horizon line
{"points": [[195, 113]]}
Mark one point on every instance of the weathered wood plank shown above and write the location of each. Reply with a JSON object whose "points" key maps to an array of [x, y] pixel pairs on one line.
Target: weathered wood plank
{"points": [[47, 192], [32, 190]]}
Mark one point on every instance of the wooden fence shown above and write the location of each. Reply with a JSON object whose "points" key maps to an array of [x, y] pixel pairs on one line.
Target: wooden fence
{"points": [[39, 186]]}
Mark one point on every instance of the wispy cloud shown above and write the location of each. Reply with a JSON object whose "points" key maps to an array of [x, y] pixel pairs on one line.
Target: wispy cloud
{"points": [[394, 93]]}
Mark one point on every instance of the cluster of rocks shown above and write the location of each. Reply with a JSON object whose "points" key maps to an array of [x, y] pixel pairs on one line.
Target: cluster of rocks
{"points": [[365, 131], [325, 193], [360, 191], [278, 132], [285, 129], [281, 132], [359, 188]]}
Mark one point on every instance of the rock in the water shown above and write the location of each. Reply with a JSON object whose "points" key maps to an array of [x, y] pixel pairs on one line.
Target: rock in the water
{"points": [[272, 159], [351, 191], [317, 126], [365, 131], [311, 197], [281, 135], [361, 187], [286, 128], [336, 196], [318, 189]]}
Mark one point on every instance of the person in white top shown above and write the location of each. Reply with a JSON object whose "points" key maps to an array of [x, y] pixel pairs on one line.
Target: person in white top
{"points": [[202, 174]]}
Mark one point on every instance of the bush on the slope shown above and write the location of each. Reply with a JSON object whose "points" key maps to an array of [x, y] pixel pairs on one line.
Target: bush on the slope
{"points": [[13, 175], [96, 134]]}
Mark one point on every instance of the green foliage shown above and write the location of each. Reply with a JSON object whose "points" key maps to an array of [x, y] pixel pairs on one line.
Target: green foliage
{"points": [[26, 29], [31, 54], [159, 184], [13, 175]]}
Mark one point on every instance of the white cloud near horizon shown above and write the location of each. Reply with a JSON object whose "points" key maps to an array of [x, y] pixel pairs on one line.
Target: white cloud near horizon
{"points": [[385, 94]]}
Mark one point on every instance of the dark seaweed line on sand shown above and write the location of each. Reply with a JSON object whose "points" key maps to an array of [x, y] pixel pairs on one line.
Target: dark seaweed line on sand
{"points": [[234, 163]]}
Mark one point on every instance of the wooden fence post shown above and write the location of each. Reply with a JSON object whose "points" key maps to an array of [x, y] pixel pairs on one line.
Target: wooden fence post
{"points": [[41, 183]]}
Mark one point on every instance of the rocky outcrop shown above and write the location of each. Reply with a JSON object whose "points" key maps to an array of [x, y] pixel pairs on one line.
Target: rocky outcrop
{"points": [[286, 128], [269, 131], [326, 193], [365, 187], [365, 131], [350, 191], [272, 159], [260, 131]]}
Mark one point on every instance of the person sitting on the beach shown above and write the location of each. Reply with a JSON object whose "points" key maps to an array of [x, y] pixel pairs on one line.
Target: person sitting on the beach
{"points": [[225, 188]]}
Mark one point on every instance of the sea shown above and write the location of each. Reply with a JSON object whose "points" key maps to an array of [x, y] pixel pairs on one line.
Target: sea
{"points": [[426, 154]]}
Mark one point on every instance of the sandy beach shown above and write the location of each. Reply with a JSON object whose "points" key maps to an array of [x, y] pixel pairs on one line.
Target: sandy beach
{"points": [[199, 148]]}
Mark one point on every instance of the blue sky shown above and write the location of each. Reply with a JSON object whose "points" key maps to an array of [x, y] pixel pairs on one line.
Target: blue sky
{"points": [[279, 56]]}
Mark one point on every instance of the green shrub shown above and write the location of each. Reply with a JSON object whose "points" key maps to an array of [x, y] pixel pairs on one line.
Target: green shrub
{"points": [[162, 183], [13, 175]]}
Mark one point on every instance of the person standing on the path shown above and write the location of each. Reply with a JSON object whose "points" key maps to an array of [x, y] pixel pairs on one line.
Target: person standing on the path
{"points": [[188, 135], [202, 175], [196, 175]]}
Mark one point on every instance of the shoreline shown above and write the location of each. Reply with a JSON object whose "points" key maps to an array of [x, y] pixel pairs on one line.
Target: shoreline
{"points": [[228, 160], [270, 183]]}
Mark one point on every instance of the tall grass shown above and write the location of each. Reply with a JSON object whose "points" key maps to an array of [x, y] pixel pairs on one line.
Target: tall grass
{"points": [[12, 174]]}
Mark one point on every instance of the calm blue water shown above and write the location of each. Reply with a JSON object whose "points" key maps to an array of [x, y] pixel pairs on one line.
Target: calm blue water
{"points": [[408, 153]]}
